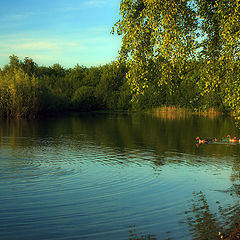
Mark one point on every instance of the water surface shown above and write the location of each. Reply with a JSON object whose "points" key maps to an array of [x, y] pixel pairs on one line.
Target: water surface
{"points": [[117, 176]]}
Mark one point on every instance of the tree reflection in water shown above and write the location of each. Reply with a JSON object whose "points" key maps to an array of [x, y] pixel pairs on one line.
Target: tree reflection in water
{"points": [[204, 224], [133, 235]]}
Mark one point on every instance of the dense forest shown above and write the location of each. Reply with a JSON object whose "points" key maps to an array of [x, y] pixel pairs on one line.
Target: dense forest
{"points": [[29, 90], [183, 53]]}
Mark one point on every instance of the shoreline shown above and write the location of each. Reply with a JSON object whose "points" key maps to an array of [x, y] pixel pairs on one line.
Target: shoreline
{"points": [[173, 112], [163, 111]]}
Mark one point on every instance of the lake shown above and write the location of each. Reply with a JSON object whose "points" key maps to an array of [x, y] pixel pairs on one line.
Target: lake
{"points": [[118, 176]]}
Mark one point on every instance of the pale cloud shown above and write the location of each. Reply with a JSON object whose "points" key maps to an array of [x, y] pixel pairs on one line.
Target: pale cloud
{"points": [[100, 29], [43, 51], [41, 45], [91, 47], [94, 3], [15, 17], [70, 31], [35, 46], [68, 7]]}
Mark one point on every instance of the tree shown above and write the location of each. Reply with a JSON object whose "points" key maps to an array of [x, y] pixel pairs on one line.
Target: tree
{"points": [[156, 31], [108, 88], [29, 66], [160, 38], [220, 26], [84, 99]]}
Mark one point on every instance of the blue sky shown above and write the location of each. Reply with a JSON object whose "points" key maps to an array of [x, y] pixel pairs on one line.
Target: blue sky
{"points": [[67, 32]]}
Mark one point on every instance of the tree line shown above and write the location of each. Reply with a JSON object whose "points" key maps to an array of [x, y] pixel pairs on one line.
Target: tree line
{"points": [[29, 90]]}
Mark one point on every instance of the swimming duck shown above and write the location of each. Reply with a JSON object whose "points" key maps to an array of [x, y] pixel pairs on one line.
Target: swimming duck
{"points": [[232, 140], [203, 140], [217, 139]]}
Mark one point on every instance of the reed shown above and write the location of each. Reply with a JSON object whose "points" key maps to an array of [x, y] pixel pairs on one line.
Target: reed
{"points": [[175, 112], [211, 113]]}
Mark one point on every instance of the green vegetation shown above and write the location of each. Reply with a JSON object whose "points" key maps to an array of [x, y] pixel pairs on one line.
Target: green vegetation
{"points": [[28, 90], [182, 53]]}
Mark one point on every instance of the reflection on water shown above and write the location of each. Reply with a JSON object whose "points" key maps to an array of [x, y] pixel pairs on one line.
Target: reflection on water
{"points": [[202, 222], [206, 224], [117, 176], [133, 235]]}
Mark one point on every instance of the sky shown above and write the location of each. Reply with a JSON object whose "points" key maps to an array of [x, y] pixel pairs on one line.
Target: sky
{"points": [[67, 32]]}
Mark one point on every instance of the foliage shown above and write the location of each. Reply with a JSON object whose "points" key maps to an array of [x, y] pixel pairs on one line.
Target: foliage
{"points": [[108, 88], [163, 42], [29, 90], [220, 75], [83, 98], [20, 92], [156, 34]]}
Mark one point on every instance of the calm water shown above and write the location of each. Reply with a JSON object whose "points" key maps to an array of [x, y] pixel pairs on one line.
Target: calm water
{"points": [[112, 176]]}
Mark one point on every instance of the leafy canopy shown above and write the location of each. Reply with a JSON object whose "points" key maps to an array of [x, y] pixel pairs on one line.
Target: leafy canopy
{"points": [[161, 38], [156, 31]]}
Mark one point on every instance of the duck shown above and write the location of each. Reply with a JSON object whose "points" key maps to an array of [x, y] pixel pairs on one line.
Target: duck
{"points": [[217, 139], [232, 140], [203, 140]]}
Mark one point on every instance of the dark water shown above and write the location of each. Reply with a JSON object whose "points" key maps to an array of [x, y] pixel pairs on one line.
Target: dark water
{"points": [[112, 176]]}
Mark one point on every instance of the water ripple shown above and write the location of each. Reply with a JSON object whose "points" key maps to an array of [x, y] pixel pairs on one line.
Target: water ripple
{"points": [[77, 185]]}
